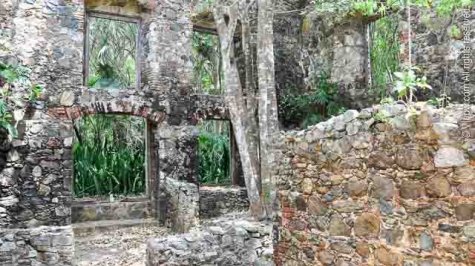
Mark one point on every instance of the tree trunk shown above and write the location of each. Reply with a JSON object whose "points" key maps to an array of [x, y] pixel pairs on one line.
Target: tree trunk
{"points": [[267, 111], [226, 19]]}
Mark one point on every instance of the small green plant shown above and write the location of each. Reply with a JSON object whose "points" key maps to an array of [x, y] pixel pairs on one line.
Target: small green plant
{"points": [[6, 120], [442, 101], [407, 83], [455, 32], [381, 116], [12, 77], [306, 109], [387, 100], [35, 92]]}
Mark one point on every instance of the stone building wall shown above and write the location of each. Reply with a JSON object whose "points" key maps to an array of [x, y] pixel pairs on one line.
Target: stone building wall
{"points": [[440, 52], [382, 186], [46, 245], [218, 201], [222, 242], [47, 36]]}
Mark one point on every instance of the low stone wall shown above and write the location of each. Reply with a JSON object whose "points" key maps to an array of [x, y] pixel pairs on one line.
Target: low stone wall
{"points": [[178, 204], [238, 242], [383, 186], [46, 245], [216, 201], [86, 211]]}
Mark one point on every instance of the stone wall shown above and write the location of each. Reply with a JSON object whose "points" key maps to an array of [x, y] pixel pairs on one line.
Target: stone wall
{"points": [[39, 246], [217, 201], [179, 204], [47, 37], [440, 52], [383, 186], [86, 211], [238, 242]]}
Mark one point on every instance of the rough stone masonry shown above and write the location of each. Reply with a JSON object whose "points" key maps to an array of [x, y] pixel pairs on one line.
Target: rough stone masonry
{"points": [[383, 186]]}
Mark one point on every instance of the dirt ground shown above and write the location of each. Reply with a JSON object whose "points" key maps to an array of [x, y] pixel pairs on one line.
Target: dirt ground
{"points": [[121, 247]]}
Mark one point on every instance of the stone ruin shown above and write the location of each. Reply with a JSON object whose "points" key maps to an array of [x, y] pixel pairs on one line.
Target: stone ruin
{"points": [[354, 190]]}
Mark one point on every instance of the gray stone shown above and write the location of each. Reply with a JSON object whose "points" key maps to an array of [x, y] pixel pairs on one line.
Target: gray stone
{"points": [[338, 227], [444, 131], [13, 156], [426, 242], [67, 98], [356, 188], [382, 188], [467, 189], [409, 158], [37, 171], [449, 157], [469, 231], [353, 127], [350, 115]]}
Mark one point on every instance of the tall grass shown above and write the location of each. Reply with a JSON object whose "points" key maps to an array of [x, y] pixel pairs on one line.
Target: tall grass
{"points": [[109, 156], [385, 49], [214, 153]]}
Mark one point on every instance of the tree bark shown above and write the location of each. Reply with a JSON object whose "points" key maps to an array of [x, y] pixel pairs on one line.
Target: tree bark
{"points": [[226, 19], [267, 111]]}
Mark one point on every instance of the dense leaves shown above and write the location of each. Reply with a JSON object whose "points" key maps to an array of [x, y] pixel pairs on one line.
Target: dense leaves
{"points": [[385, 49], [110, 156], [206, 63], [112, 53], [214, 153], [308, 108]]}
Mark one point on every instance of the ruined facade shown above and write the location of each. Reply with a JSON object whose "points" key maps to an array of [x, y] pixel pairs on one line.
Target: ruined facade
{"points": [[424, 180], [47, 36]]}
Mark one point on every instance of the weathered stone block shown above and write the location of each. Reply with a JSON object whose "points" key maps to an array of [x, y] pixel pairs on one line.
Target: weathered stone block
{"points": [[367, 225]]}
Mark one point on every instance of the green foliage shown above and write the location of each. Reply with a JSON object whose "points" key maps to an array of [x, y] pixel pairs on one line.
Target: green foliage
{"points": [[385, 49], [381, 116], [110, 156], [444, 7], [207, 70], [455, 32], [370, 8], [112, 53], [441, 102], [35, 92], [306, 109], [214, 153], [10, 77], [338, 10], [6, 119], [407, 83]]}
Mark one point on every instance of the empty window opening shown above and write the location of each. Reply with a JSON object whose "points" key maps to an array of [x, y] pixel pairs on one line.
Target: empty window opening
{"points": [[109, 156], [214, 153], [111, 52], [207, 66]]}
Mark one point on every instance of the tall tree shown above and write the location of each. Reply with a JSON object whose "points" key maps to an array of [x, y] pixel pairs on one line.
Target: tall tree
{"points": [[253, 133], [268, 120]]}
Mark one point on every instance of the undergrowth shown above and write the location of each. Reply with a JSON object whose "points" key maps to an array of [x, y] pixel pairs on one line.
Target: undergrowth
{"points": [[109, 156], [214, 153], [308, 108]]}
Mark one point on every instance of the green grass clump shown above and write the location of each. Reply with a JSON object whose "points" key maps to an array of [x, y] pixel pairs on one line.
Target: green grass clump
{"points": [[214, 153], [109, 156]]}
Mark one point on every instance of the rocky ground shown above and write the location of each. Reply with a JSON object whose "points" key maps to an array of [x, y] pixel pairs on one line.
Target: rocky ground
{"points": [[121, 247]]}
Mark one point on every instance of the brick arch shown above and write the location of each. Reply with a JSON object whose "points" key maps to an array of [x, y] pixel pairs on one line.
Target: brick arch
{"points": [[109, 107], [210, 113]]}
